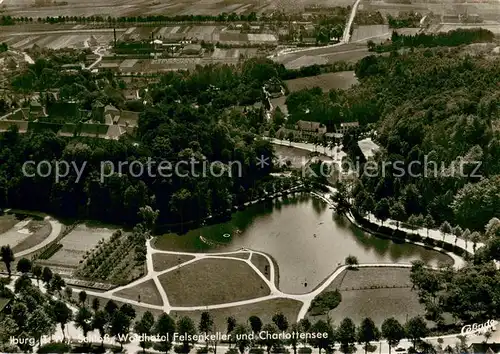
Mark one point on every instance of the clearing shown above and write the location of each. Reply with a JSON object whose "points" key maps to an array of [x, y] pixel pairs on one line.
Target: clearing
{"points": [[378, 304], [212, 281], [339, 80], [147, 290], [163, 261], [264, 310], [374, 292]]}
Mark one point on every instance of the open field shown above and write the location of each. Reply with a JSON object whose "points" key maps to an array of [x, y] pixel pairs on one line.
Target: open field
{"points": [[364, 278], [212, 281], [339, 80], [77, 243], [264, 309], [378, 304], [147, 291], [378, 293], [148, 7], [351, 52], [487, 10], [162, 261]]}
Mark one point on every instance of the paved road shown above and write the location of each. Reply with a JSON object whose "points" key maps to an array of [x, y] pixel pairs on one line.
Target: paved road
{"points": [[347, 30], [345, 38]]}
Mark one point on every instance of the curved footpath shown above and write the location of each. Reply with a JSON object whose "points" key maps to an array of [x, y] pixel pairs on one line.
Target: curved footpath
{"points": [[275, 293], [73, 332]]}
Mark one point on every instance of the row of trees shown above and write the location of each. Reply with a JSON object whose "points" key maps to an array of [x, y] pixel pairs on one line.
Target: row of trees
{"points": [[449, 39]]}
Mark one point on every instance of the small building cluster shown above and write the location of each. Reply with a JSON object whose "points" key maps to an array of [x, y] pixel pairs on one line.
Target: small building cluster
{"points": [[65, 118]]}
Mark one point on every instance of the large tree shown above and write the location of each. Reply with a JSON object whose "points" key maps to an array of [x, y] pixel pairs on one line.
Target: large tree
{"points": [[367, 332], [346, 335], [255, 324], [280, 321], [186, 326], [83, 320], [7, 257], [62, 315], [393, 332], [165, 327], [416, 329], [100, 321], [120, 327], [144, 327], [39, 324]]}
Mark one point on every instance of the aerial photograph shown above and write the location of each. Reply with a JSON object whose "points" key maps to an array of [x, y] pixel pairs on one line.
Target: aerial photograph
{"points": [[250, 176]]}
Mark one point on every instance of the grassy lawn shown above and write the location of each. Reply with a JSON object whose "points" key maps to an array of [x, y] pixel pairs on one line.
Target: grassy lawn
{"points": [[263, 309], [41, 230], [366, 278], [375, 292], [378, 304], [212, 281], [147, 290], [338, 80], [262, 264], [162, 261]]}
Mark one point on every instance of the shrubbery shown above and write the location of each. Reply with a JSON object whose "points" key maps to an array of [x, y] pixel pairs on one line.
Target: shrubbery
{"points": [[325, 302]]}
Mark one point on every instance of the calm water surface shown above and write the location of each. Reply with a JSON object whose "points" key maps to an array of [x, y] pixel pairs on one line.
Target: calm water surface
{"points": [[305, 238]]}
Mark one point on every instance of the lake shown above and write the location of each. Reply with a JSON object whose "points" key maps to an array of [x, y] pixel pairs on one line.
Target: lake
{"points": [[306, 239]]}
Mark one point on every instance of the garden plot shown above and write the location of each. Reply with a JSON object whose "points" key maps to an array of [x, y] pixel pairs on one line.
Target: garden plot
{"points": [[78, 242], [23, 42]]}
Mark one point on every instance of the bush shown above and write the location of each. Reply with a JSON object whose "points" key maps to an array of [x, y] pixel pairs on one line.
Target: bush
{"points": [[305, 350], [202, 350], [234, 351], [50, 251], [55, 348], [325, 302], [351, 260]]}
